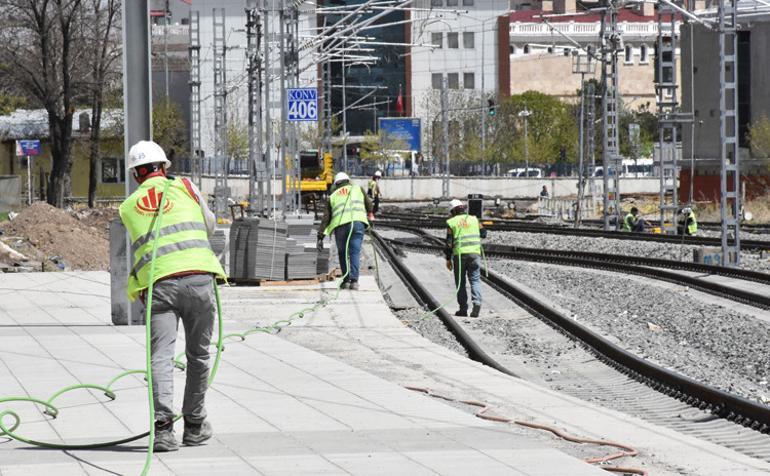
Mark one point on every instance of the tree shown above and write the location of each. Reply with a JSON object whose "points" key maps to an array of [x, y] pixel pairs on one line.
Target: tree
{"points": [[104, 21], [9, 103], [169, 129], [43, 52], [759, 137]]}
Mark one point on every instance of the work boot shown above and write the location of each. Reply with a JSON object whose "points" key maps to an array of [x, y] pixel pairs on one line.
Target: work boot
{"points": [[462, 313], [354, 285], [344, 285], [165, 439], [196, 434], [476, 310]]}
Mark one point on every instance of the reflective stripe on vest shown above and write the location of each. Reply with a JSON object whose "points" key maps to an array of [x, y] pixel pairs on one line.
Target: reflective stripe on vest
{"points": [[628, 222], [692, 228], [348, 205], [167, 230], [182, 240], [466, 234]]}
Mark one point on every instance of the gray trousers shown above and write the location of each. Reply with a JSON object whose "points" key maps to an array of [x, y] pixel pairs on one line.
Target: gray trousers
{"points": [[191, 299]]}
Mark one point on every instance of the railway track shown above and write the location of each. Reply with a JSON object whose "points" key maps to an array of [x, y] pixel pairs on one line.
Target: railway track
{"points": [[653, 268], [688, 406], [435, 221]]}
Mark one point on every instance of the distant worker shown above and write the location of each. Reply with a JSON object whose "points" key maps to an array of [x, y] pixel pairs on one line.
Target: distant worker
{"points": [[688, 224], [185, 268], [463, 255], [634, 222], [544, 192], [346, 215], [374, 191]]}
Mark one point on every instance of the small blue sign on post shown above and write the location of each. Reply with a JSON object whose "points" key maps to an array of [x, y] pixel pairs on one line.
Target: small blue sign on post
{"points": [[302, 104], [27, 147], [406, 130]]}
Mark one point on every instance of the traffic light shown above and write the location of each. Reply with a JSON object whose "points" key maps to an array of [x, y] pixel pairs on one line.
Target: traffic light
{"points": [[492, 108]]}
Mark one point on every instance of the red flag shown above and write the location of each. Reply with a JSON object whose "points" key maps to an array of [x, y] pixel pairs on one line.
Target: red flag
{"points": [[400, 102]]}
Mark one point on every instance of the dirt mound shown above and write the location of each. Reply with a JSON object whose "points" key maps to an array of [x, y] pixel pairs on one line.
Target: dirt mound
{"points": [[61, 237], [98, 218]]}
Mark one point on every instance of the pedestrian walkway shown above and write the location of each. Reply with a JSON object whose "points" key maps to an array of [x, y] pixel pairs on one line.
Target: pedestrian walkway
{"points": [[276, 407]]}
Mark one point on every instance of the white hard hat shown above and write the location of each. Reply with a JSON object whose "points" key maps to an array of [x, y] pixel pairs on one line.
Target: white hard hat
{"points": [[455, 203], [378, 174], [146, 152], [341, 177], [686, 210]]}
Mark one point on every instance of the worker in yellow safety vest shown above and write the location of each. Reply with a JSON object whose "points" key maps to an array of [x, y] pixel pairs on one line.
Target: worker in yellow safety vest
{"points": [[183, 285], [374, 191], [688, 224], [463, 255], [347, 215]]}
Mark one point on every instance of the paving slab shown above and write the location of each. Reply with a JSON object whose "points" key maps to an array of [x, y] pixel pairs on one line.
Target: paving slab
{"points": [[276, 407], [358, 328]]}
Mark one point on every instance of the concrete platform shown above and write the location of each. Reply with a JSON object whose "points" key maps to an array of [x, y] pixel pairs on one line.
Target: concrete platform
{"points": [[276, 407]]}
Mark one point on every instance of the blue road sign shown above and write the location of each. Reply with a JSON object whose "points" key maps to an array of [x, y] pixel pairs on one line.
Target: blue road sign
{"points": [[403, 129], [302, 104], [27, 147]]}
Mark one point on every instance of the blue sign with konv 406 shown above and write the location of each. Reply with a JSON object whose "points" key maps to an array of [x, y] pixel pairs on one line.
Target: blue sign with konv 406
{"points": [[302, 104]]}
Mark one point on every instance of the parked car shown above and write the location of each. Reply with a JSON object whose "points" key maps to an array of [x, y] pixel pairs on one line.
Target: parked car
{"points": [[531, 172]]}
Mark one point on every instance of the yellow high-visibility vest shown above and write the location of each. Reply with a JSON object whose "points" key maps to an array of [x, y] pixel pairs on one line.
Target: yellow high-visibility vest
{"points": [[347, 206], [466, 234], [183, 243]]}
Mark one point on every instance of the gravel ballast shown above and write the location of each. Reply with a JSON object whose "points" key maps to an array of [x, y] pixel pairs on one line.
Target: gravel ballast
{"points": [[650, 249], [711, 343]]}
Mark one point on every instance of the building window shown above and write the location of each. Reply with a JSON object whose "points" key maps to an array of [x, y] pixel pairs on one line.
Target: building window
{"points": [[437, 39], [435, 3], [467, 3], [550, 50], [113, 170], [469, 80], [453, 80], [451, 3], [526, 49], [643, 54], [469, 39], [629, 58], [436, 79], [513, 50], [452, 40]]}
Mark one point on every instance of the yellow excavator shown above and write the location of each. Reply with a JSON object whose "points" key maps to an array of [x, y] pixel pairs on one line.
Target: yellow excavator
{"points": [[316, 176]]}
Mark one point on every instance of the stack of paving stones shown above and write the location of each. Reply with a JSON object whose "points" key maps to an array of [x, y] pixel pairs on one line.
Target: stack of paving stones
{"points": [[218, 241], [268, 250]]}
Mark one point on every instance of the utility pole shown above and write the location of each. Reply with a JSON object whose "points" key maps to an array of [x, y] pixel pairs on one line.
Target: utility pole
{"points": [[445, 128], [669, 116], [591, 139], [344, 117], [268, 107], [582, 65], [257, 173], [611, 158], [282, 79], [730, 202], [195, 99], [525, 115], [165, 46], [294, 57], [220, 112]]}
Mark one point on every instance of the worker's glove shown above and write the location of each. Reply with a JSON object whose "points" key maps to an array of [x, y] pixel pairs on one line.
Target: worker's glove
{"points": [[449, 265], [320, 244]]}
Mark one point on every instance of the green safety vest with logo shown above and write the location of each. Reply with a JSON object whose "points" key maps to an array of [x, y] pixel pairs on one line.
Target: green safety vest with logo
{"points": [[692, 228], [628, 222], [466, 234], [183, 244], [347, 204]]}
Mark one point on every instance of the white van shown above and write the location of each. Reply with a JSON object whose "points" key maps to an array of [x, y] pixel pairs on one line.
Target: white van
{"points": [[530, 172], [631, 168]]}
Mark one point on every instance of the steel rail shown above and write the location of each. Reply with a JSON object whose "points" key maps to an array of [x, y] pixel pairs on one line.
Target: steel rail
{"points": [[697, 394], [437, 222], [425, 298]]}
